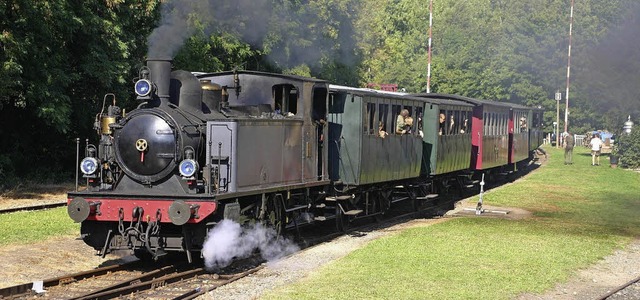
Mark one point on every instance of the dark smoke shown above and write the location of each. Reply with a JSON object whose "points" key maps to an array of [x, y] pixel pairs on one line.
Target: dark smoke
{"points": [[294, 28]]}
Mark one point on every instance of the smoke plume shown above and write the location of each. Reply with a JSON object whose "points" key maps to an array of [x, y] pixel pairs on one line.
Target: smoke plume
{"points": [[228, 240], [297, 33]]}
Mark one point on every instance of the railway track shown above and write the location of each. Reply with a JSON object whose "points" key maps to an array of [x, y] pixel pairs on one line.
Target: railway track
{"points": [[136, 280], [614, 294], [33, 207]]}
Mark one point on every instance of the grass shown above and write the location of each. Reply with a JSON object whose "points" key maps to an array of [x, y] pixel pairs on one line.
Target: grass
{"points": [[29, 227], [581, 213]]}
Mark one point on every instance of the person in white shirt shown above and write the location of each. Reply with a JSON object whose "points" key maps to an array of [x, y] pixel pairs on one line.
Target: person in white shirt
{"points": [[596, 146]]}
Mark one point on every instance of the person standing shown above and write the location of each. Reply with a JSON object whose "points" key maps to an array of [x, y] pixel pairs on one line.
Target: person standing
{"points": [[569, 142], [596, 146]]}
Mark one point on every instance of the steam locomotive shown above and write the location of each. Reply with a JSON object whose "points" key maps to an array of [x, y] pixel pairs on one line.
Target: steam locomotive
{"points": [[282, 150]]}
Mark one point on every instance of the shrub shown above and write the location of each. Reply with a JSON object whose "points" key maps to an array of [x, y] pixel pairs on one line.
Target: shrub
{"points": [[629, 149]]}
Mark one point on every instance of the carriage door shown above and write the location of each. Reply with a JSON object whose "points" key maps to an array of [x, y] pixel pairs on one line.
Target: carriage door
{"points": [[319, 119]]}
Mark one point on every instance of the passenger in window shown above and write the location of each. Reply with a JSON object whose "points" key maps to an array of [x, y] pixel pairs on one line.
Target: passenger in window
{"points": [[381, 132], [408, 123], [278, 110], [451, 125], [523, 124], [400, 123], [463, 129], [442, 119], [420, 133]]}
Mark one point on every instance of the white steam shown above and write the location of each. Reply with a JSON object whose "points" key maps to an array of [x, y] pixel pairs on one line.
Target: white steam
{"points": [[228, 240]]}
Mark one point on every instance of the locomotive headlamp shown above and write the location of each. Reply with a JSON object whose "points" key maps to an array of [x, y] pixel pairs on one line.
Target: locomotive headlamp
{"points": [[89, 165], [143, 87], [188, 167]]}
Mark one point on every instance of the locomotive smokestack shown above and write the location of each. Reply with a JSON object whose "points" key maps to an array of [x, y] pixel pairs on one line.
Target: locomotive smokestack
{"points": [[160, 75]]}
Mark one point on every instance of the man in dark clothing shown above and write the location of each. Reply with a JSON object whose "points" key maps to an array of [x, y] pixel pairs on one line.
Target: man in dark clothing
{"points": [[569, 142]]}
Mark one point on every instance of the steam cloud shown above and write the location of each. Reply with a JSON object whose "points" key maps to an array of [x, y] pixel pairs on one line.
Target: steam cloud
{"points": [[251, 21], [228, 240]]}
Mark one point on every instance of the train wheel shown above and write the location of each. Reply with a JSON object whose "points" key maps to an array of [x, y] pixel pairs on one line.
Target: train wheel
{"points": [[275, 214]]}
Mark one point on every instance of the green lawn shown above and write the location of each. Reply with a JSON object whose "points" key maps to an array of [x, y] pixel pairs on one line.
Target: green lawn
{"points": [[581, 213], [32, 226]]}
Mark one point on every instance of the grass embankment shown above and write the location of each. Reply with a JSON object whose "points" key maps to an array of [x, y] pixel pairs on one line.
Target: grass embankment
{"points": [[581, 213], [34, 226]]}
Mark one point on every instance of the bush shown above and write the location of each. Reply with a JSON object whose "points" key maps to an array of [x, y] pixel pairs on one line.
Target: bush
{"points": [[629, 149]]}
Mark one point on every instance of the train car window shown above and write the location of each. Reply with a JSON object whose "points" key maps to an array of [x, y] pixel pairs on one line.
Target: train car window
{"points": [[484, 123], [383, 116], [442, 118], [505, 124], [521, 122], [491, 124], [319, 104], [464, 117], [395, 111], [458, 122], [536, 120], [337, 102], [371, 109], [366, 117], [285, 97], [419, 114]]}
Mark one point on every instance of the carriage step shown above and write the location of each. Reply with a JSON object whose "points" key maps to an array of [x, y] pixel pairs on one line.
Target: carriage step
{"points": [[428, 197], [468, 186], [320, 218], [353, 212], [474, 181], [338, 198], [399, 186], [321, 205]]}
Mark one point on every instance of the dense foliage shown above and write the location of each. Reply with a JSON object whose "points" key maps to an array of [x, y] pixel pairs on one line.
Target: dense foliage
{"points": [[59, 58], [628, 149]]}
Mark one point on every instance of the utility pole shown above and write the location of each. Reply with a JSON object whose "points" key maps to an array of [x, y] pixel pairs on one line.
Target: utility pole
{"points": [[566, 110], [429, 49]]}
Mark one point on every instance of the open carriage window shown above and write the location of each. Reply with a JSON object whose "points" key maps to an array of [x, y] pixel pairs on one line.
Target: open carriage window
{"points": [[395, 111], [536, 120], [464, 122], [419, 116], [370, 119], [523, 123], [285, 98], [383, 116], [442, 122]]}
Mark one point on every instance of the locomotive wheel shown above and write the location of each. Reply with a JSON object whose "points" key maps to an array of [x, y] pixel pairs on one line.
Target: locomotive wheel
{"points": [[275, 214]]}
